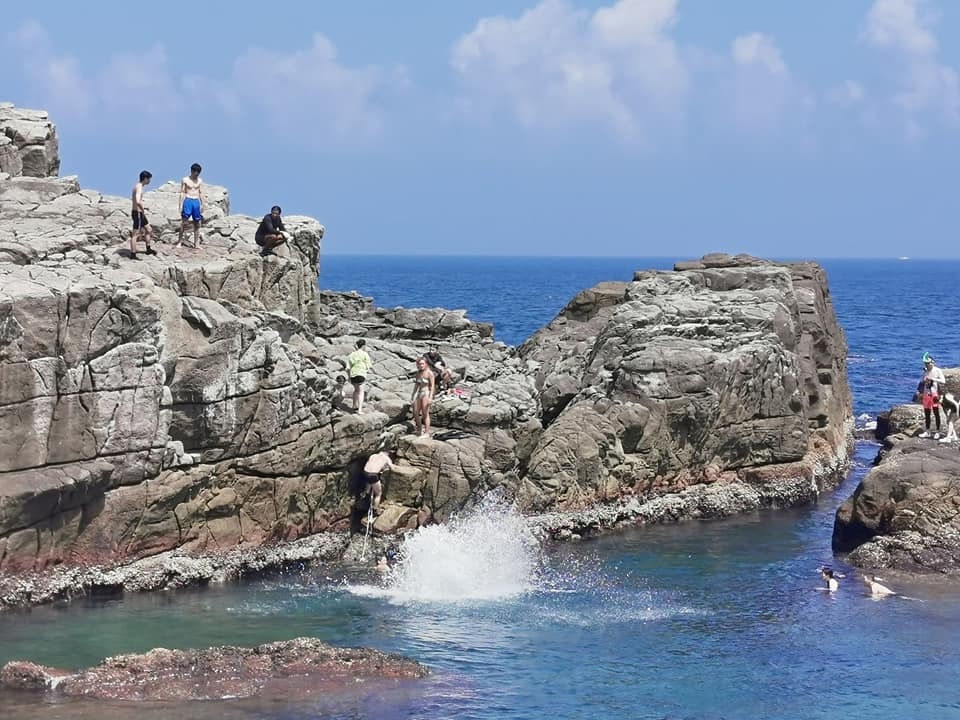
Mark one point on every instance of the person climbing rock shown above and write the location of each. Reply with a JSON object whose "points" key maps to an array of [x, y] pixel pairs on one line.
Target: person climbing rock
{"points": [[372, 470]]}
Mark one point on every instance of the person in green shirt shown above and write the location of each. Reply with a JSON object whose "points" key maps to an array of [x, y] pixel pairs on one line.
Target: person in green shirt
{"points": [[358, 366]]}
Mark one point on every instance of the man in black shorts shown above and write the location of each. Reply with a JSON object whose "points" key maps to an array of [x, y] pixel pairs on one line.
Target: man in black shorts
{"points": [[270, 233], [141, 226]]}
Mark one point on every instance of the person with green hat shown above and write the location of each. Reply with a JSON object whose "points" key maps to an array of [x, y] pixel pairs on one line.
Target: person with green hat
{"points": [[933, 384]]}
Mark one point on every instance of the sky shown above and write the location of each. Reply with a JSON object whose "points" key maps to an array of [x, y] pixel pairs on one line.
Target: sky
{"points": [[810, 129]]}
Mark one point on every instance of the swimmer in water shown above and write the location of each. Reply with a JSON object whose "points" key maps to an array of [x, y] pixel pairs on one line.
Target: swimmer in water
{"points": [[828, 577], [382, 564], [876, 589]]}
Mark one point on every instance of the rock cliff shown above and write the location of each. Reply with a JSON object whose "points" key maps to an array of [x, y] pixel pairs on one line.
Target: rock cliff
{"points": [[190, 400]]}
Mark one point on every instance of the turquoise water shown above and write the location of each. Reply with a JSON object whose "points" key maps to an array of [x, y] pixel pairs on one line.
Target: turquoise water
{"points": [[701, 620]]}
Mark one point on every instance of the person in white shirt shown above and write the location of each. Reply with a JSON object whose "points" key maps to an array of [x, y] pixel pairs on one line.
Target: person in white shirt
{"points": [[931, 388]]}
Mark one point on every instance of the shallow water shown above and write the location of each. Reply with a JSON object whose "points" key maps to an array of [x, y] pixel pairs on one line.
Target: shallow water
{"points": [[700, 620]]}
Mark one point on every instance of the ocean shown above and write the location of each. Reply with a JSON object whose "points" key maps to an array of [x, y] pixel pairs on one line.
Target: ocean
{"points": [[706, 621]]}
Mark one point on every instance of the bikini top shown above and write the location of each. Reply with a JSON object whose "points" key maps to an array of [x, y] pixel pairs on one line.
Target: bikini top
{"points": [[422, 380]]}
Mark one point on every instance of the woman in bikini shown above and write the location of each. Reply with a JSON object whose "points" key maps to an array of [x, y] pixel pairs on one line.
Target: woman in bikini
{"points": [[422, 395]]}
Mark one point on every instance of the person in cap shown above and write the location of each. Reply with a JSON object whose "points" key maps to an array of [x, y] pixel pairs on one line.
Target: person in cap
{"points": [[931, 388]]}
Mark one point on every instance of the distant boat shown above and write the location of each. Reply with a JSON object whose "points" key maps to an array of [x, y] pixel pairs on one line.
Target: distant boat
{"points": [[903, 257]]}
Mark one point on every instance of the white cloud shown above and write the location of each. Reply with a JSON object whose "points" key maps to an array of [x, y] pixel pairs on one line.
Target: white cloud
{"points": [[57, 78], [305, 94], [927, 87], [556, 66], [758, 89], [311, 93], [900, 25], [758, 50]]}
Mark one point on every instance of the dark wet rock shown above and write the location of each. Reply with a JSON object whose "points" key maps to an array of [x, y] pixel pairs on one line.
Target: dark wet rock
{"points": [[905, 514], [219, 672]]}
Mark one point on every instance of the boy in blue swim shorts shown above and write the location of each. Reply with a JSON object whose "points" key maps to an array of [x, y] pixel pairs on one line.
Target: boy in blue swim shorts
{"points": [[191, 204]]}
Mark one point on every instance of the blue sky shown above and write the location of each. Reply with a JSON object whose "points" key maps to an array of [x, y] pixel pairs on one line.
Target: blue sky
{"points": [[564, 127]]}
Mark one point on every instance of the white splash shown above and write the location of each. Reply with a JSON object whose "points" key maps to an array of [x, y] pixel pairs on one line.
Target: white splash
{"points": [[486, 554]]}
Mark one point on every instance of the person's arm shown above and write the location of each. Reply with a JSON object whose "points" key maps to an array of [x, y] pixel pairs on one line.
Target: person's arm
{"points": [[183, 193], [200, 195], [280, 226], [139, 197], [416, 385], [433, 384]]}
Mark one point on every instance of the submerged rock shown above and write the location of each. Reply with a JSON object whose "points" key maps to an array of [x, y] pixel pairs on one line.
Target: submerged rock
{"points": [[303, 665]]}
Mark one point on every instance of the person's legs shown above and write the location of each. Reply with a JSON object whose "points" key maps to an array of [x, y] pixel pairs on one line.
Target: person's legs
{"points": [[196, 233], [416, 414], [936, 415], [357, 396], [133, 242], [926, 421], [425, 411], [376, 492], [183, 229], [148, 238]]}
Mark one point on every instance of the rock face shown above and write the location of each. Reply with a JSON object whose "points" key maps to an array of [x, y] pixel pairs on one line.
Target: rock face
{"points": [[905, 514], [28, 143], [194, 400], [728, 370], [279, 669]]}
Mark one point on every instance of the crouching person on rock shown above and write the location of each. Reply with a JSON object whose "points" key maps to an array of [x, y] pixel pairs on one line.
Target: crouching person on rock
{"points": [[270, 234]]}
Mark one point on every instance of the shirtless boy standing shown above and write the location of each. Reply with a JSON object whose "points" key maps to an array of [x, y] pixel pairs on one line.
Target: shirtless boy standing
{"points": [[141, 226], [191, 204]]}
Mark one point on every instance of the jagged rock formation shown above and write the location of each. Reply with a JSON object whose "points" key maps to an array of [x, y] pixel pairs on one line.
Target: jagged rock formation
{"points": [[727, 370], [287, 669], [191, 400]]}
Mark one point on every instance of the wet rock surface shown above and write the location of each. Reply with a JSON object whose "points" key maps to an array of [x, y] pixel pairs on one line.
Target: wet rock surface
{"points": [[304, 665]]}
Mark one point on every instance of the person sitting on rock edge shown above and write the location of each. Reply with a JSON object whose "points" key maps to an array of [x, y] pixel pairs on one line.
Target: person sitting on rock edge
{"points": [[270, 233], [141, 226], [933, 384]]}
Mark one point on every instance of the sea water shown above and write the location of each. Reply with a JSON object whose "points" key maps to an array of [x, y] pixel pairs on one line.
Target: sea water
{"points": [[721, 619]]}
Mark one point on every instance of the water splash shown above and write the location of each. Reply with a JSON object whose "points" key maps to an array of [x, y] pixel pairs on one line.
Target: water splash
{"points": [[486, 554]]}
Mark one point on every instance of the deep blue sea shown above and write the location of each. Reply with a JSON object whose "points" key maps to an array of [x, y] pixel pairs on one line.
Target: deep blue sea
{"points": [[706, 621]]}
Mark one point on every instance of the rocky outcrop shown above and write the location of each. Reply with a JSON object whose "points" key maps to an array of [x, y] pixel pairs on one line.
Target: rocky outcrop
{"points": [[727, 370], [28, 143], [905, 514], [285, 669], [194, 401]]}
